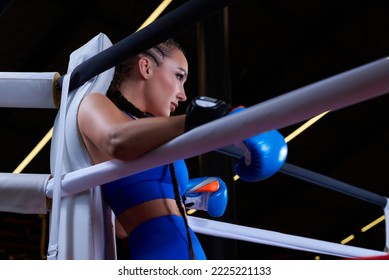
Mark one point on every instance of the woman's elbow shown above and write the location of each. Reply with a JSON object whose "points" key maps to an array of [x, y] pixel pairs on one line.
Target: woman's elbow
{"points": [[121, 149]]}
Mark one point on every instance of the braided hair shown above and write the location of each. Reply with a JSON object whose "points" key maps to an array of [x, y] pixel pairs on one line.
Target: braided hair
{"points": [[122, 71]]}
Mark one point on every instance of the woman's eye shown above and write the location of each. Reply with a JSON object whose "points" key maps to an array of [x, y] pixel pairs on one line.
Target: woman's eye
{"points": [[179, 76]]}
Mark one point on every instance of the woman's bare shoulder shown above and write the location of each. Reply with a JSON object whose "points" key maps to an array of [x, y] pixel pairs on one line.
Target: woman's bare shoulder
{"points": [[95, 100], [96, 96]]}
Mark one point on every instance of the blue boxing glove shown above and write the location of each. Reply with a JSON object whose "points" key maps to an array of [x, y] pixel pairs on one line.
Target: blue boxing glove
{"points": [[264, 155], [207, 194]]}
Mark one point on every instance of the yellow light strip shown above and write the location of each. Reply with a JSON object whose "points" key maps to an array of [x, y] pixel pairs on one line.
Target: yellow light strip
{"points": [[304, 127], [191, 211], [34, 151], [156, 13], [347, 239], [373, 223], [364, 229]]}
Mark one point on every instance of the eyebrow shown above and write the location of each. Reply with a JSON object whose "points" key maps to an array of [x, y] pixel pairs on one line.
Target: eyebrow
{"points": [[183, 70]]}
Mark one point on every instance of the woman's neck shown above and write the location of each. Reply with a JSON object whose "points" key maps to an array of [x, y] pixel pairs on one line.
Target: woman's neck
{"points": [[125, 105]]}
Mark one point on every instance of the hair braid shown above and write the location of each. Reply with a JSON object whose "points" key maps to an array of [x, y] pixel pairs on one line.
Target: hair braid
{"points": [[177, 197]]}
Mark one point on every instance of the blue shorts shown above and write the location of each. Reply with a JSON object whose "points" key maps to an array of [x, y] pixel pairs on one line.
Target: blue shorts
{"points": [[163, 238]]}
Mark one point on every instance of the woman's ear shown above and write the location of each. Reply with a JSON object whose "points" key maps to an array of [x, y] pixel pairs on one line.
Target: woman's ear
{"points": [[145, 67]]}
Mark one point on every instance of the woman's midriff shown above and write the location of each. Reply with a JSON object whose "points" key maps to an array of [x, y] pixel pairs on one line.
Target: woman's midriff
{"points": [[141, 213]]}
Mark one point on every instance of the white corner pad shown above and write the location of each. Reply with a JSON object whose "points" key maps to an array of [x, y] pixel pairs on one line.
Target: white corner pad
{"points": [[23, 193]]}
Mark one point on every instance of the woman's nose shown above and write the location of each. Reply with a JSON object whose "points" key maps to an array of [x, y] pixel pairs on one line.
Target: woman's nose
{"points": [[181, 95]]}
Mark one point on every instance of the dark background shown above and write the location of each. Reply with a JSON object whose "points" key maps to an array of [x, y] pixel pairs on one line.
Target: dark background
{"points": [[254, 50]]}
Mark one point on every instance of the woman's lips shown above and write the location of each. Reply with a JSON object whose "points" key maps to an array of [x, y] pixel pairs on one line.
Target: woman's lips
{"points": [[173, 106]]}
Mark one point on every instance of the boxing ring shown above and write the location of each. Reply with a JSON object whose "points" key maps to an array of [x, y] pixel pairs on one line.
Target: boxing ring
{"points": [[41, 90]]}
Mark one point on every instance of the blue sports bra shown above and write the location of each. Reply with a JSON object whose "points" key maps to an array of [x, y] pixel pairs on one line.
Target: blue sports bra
{"points": [[154, 183]]}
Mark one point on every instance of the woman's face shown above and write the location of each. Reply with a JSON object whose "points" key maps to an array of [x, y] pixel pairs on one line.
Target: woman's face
{"points": [[166, 85]]}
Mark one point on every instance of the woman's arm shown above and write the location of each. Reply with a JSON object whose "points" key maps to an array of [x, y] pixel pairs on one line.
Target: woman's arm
{"points": [[111, 132]]}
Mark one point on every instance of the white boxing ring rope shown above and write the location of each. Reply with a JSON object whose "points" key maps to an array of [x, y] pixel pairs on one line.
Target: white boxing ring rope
{"points": [[348, 88], [333, 93], [273, 238]]}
